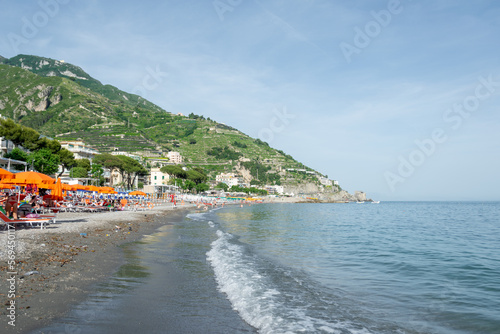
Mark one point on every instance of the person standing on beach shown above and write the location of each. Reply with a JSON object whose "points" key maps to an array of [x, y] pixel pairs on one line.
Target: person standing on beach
{"points": [[11, 205]]}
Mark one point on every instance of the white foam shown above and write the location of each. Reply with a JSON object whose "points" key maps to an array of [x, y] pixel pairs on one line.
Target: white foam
{"points": [[211, 224], [254, 297], [197, 216]]}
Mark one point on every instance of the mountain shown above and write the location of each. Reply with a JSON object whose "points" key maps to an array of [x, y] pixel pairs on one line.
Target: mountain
{"points": [[61, 100], [48, 67]]}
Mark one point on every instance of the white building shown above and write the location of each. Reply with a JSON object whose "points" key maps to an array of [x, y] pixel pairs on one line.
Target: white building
{"points": [[80, 149], [324, 181], [157, 177], [228, 178], [273, 190], [175, 157], [6, 146], [133, 156]]}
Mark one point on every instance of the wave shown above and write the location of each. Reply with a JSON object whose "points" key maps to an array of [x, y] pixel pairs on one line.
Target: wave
{"points": [[271, 298]]}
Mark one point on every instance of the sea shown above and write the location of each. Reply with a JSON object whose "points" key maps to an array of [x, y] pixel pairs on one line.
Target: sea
{"points": [[392, 267]]}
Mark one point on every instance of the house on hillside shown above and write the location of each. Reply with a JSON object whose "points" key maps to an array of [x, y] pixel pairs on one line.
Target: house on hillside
{"points": [[228, 178], [157, 177], [175, 157], [130, 155], [80, 149]]}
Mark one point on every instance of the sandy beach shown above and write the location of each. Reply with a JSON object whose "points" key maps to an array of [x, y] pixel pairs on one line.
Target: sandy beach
{"points": [[58, 266]]}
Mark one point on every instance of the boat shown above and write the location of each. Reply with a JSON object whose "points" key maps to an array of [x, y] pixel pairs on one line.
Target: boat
{"points": [[360, 202], [375, 202]]}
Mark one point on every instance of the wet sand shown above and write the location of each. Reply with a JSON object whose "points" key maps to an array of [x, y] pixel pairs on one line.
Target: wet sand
{"points": [[67, 260]]}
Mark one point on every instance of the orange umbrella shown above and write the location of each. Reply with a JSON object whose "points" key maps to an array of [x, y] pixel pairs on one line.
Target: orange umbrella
{"points": [[137, 192], [106, 190], [5, 174], [66, 186], [6, 186], [90, 188], [78, 187], [57, 192], [30, 178]]}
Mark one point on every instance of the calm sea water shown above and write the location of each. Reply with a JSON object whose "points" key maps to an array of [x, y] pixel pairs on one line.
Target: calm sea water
{"points": [[393, 267]]}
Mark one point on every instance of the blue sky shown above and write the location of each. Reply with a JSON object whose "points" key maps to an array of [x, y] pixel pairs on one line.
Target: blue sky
{"points": [[396, 98]]}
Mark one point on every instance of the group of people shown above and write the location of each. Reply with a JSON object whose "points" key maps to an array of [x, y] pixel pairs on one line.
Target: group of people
{"points": [[9, 201]]}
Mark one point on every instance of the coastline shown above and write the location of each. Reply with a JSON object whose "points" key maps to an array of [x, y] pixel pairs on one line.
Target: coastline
{"points": [[68, 259]]}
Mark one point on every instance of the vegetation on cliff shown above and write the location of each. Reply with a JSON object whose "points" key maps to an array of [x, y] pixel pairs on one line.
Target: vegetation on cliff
{"points": [[62, 101]]}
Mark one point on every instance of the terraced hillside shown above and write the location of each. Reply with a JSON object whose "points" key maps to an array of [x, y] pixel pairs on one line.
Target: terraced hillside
{"points": [[61, 101]]}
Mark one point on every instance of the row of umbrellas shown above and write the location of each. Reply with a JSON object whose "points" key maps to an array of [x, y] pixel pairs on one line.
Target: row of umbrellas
{"points": [[8, 180]]}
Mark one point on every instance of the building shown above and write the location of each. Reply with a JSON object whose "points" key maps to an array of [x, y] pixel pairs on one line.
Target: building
{"points": [[175, 157], [6, 146], [159, 162], [157, 177], [324, 181], [275, 190], [130, 155], [228, 178], [80, 149]]}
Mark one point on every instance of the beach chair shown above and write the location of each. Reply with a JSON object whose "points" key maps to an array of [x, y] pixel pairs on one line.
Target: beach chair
{"points": [[32, 222]]}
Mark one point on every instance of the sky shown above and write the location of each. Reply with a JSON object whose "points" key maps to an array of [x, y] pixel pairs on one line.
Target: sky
{"points": [[396, 98]]}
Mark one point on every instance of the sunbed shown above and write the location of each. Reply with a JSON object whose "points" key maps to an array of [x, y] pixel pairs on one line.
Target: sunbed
{"points": [[32, 222]]}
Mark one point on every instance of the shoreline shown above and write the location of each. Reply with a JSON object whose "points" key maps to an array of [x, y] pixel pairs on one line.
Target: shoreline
{"points": [[68, 259]]}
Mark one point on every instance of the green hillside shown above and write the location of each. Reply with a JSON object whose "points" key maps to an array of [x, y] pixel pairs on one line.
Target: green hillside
{"points": [[47, 67], [61, 101]]}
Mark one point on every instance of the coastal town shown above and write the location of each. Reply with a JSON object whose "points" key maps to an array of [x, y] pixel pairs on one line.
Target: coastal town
{"points": [[164, 174]]}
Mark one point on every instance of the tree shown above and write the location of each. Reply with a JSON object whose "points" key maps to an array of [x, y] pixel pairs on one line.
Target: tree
{"points": [[189, 185], [17, 154], [176, 182], [83, 163], [44, 161], [222, 185], [97, 173], [10, 130], [201, 187], [43, 142], [67, 159], [196, 176], [29, 138], [174, 170], [108, 161], [78, 172], [131, 169]]}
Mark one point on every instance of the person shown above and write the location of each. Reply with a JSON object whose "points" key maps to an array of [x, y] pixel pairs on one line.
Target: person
{"points": [[34, 203], [11, 206]]}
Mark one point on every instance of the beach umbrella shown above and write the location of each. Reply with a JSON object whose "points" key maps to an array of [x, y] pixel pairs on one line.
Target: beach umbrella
{"points": [[92, 188], [67, 187], [137, 193], [106, 190], [77, 187], [57, 192], [6, 186], [24, 178], [5, 174]]}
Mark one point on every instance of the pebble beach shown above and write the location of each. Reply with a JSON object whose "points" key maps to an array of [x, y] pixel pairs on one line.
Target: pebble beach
{"points": [[57, 267]]}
